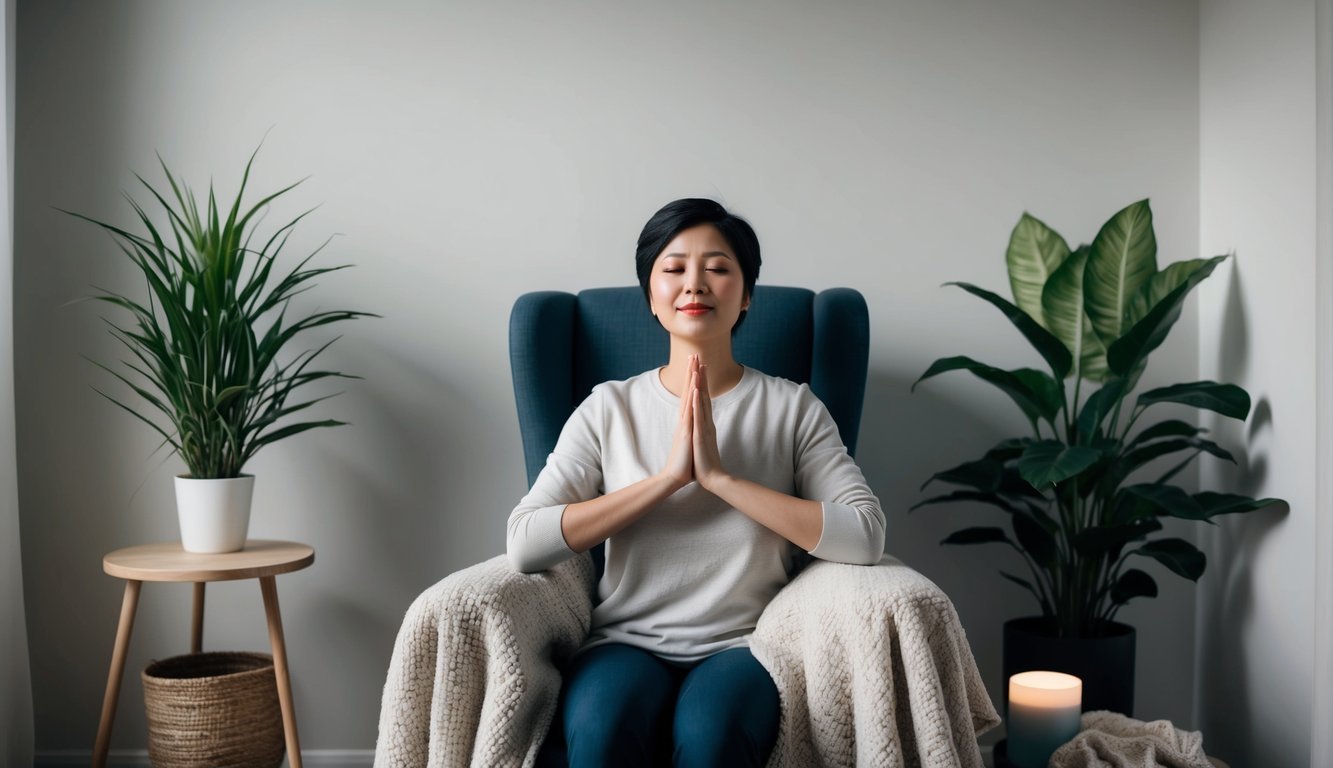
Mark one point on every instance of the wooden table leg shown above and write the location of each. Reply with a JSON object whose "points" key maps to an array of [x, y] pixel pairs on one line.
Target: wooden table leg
{"points": [[197, 627], [127, 609], [270, 589]]}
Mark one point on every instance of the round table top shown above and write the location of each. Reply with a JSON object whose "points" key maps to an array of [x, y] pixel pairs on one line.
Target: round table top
{"points": [[168, 562]]}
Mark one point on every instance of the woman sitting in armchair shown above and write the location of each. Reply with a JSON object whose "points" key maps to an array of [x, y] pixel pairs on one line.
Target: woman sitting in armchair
{"points": [[705, 479]]}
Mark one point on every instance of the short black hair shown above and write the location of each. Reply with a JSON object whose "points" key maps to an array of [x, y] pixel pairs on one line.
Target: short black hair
{"points": [[679, 215]]}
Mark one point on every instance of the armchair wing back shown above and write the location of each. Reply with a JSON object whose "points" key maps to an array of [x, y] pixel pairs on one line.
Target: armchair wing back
{"points": [[562, 345]]}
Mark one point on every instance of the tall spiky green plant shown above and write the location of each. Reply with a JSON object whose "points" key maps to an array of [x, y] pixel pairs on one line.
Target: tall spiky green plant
{"points": [[210, 338], [1094, 314]]}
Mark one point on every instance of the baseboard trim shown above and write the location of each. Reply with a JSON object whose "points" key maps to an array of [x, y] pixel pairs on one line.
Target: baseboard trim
{"points": [[138, 758]]}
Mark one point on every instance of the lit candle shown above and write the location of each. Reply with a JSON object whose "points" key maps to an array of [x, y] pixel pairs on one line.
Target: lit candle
{"points": [[1043, 714]]}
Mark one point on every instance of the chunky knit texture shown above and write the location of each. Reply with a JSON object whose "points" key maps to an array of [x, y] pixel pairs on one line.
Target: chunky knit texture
{"points": [[874, 669], [1112, 740], [871, 664], [474, 676]]}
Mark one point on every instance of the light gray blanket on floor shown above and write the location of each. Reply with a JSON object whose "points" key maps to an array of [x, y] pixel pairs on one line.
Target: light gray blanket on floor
{"points": [[1112, 740], [871, 664]]}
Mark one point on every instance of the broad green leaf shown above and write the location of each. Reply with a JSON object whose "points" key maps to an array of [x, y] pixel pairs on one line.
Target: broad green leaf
{"points": [[1209, 447], [1133, 348], [1048, 346], [1158, 287], [1092, 364], [1171, 500], [1091, 478], [1226, 399], [1168, 500], [1133, 459], [1062, 303], [994, 499], [1008, 449], [1131, 584], [1099, 405], [979, 535], [1128, 508], [1013, 486], [1048, 462], [1040, 402], [1035, 252], [1110, 538], [1182, 557], [1168, 428], [1123, 258], [982, 474], [1046, 389], [1230, 503]]}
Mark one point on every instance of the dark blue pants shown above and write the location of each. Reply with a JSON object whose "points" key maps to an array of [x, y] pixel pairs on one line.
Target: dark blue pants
{"points": [[620, 705]]}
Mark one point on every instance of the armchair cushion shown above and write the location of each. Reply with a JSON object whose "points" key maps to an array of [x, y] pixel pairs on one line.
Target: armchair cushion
{"points": [[871, 664]]}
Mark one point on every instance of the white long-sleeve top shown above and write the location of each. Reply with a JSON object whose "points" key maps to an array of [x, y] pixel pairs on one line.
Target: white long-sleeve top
{"points": [[690, 577]]}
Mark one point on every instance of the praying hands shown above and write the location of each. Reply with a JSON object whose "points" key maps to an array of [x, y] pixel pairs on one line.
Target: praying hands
{"points": [[694, 454]]}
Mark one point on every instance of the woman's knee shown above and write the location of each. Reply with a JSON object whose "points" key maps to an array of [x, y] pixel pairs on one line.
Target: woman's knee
{"points": [[614, 706], [727, 713], [702, 741]]}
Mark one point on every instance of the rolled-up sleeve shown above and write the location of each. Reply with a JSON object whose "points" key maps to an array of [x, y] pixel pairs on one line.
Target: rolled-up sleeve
{"points": [[853, 528], [533, 537]]}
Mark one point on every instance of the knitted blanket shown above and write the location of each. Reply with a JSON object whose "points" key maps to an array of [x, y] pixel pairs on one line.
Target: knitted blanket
{"points": [[871, 665], [474, 676], [1112, 740], [873, 669]]}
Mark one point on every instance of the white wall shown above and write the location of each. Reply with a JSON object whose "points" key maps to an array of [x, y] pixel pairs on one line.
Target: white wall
{"points": [[1321, 747], [473, 152], [16, 716], [1257, 329]]}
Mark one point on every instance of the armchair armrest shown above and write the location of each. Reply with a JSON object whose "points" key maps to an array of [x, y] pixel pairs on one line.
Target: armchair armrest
{"points": [[873, 668], [474, 677]]}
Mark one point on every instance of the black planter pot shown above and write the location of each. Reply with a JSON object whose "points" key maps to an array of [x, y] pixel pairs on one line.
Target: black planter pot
{"points": [[1104, 664]]}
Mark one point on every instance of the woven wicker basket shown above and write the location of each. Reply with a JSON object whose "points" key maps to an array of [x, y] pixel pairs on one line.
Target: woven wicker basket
{"points": [[213, 709]]}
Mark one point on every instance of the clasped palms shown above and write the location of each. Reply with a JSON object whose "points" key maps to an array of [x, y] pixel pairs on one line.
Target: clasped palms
{"points": [[694, 454]]}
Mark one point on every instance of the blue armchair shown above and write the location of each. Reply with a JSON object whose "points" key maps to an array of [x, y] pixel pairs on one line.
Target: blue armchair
{"points": [[562, 345], [871, 663]]}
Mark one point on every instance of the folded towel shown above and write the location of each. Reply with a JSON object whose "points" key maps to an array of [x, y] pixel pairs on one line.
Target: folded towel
{"points": [[1112, 740]]}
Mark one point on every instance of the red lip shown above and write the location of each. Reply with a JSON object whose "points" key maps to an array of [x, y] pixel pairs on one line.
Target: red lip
{"points": [[694, 307]]}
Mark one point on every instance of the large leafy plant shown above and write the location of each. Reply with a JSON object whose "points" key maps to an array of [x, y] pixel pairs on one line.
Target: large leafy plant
{"points": [[211, 342], [1079, 509]]}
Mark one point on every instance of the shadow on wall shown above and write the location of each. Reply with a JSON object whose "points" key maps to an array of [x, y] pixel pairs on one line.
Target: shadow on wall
{"points": [[1227, 588]]}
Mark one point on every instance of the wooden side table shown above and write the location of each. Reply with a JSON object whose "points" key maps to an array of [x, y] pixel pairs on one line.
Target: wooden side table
{"points": [[261, 560]]}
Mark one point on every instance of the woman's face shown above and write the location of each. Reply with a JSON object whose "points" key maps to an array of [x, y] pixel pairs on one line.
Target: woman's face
{"points": [[696, 289]]}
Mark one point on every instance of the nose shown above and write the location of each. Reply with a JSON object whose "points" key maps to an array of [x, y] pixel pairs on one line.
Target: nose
{"points": [[696, 283]]}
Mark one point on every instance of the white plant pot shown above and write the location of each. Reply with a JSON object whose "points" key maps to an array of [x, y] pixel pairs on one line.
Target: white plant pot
{"points": [[214, 513]]}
